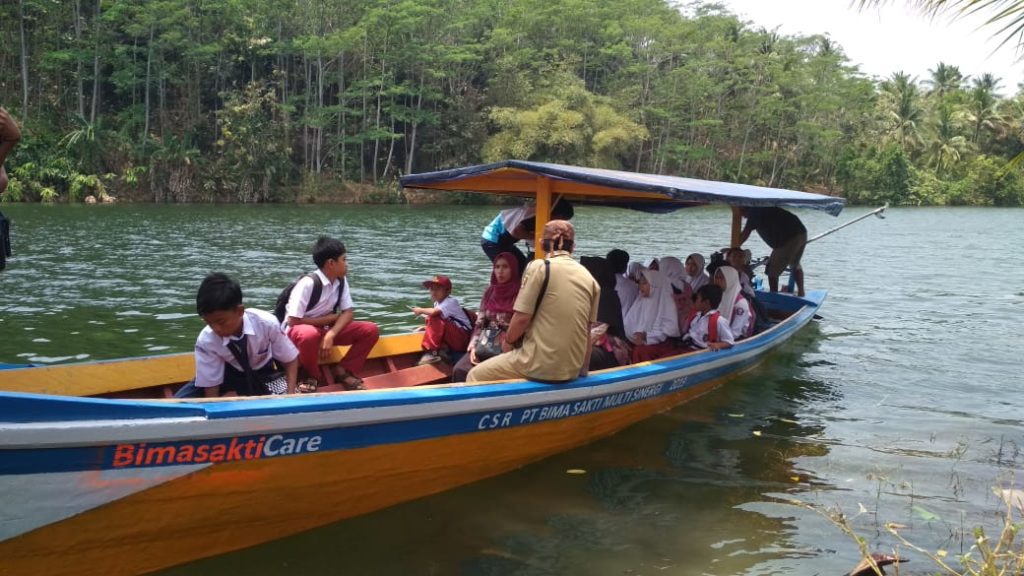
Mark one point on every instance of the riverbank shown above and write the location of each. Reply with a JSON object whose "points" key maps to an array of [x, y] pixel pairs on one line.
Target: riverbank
{"points": [[992, 184]]}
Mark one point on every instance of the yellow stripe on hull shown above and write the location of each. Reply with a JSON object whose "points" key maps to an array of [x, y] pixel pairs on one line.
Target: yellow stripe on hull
{"points": [[112, 376], [232, 506]]}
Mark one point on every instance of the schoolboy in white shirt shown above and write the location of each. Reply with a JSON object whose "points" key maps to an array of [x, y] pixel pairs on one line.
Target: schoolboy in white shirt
{"points": [[700, 334], [316, 330], [234, 352]]}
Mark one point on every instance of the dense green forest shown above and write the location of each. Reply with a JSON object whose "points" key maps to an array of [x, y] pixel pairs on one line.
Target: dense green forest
{"points": [[332, 100]]}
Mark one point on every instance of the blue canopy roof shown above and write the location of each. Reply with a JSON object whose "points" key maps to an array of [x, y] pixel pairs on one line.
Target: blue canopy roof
{"points": [[615, 187]]}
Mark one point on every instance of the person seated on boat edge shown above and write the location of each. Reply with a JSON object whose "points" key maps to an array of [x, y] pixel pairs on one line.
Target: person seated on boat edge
{"points": [[652, 322], [706, 328], [608, 335], [734, 306], [448, 326], [556, 305], [236, 351], [493, 316], [787, 237], [515, 224], [317, 329], [625, 286], [674, 270]]}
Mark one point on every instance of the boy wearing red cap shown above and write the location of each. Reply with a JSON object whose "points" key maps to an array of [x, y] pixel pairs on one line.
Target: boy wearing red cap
{"points": [[448, 327]]}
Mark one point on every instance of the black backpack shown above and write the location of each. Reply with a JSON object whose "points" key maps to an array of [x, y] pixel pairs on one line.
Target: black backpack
{"points": [[318, 287]]}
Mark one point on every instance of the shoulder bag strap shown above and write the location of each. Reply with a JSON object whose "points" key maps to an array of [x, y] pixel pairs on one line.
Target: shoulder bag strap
{"points": [[543, 286], [341, 290]]}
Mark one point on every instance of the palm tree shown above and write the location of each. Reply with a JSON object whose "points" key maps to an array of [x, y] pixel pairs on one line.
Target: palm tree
{"points": [[945, 80], [946, 144], [1007, 14], [982, 106], [901, 97]]}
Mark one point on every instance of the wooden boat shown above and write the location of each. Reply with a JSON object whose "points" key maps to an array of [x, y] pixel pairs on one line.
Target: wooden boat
{"points": [[101, 474]]}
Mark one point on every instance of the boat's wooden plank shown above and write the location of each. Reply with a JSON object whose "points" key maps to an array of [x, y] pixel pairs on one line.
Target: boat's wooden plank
{"points": [[387, 346], [107, 377], [414, 376], [100, 377]]}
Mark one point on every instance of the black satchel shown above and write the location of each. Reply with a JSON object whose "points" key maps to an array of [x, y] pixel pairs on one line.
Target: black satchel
{"points": [[488, 343]]}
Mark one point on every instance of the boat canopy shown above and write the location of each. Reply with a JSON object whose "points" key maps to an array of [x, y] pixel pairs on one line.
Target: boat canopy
{"points": [[650, 192]]}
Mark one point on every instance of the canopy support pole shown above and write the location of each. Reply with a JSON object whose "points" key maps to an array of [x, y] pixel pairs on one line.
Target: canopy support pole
{"points": [[543, 214], [737, 220]]}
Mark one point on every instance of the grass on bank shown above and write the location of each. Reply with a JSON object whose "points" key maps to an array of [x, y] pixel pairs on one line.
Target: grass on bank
{"points": [[1001, 555]]}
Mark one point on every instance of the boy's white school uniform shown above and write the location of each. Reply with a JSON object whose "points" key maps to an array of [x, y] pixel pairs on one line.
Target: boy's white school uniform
{"points": [[452, 310], [265, 341], [299, 299], [698, 332]]}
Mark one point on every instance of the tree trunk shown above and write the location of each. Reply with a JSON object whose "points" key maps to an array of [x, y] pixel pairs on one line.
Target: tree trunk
{"points": [[78, 59], [96, 63], [415, 124], [341, 103], [362, 139], [320, 108], [149, 72], [305, 117], [391, 148], [24, 61]]}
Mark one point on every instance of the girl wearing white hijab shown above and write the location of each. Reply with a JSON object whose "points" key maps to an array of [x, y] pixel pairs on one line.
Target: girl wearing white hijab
{"points": [[673, 269], [734, 307], [652, 318], [695, 274], [626, 285], [682, 294]]}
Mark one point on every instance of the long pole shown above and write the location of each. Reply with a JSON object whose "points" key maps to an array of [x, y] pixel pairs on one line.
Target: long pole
{"points": [[876, 212]]}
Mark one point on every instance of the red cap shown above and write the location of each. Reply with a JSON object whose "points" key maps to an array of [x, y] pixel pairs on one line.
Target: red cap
{"points": [[438, 280]]}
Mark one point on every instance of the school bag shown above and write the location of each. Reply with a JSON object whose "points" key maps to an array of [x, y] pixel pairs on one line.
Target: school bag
{"points": [[318, 287]]}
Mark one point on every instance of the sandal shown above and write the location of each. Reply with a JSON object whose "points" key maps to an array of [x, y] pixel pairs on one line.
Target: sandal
{"points": [[307, 386], [348, 380]]}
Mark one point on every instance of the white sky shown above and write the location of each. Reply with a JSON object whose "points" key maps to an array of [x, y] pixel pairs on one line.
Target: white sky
{"points": [[893, 37]]}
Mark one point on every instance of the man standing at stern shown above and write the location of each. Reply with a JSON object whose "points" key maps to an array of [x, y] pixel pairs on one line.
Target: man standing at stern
{"points": [[786, 235]]}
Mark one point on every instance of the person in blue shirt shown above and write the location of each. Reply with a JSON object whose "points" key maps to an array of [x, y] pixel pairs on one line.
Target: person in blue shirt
{"points": [[511, 226]]}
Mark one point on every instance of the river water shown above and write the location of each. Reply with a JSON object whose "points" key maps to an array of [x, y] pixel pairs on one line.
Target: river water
{"points": [[901, 405]]}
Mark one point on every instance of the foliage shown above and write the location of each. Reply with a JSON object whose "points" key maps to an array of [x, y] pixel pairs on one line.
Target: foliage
{"points": [[285, 100], [987, 556]]}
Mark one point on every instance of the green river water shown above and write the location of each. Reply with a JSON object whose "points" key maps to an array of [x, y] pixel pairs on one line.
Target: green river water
{"points": [[903, 404]]}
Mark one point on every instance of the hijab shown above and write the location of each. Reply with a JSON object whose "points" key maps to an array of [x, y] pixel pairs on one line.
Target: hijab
{"points": [[634, 270], [500, 297], [609, 309], [655, 313], [702, 277], [673, 270], [732, 289]]}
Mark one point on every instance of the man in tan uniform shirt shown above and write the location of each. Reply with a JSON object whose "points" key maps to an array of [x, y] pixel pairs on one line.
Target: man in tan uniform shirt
{"points": [[556, 337]]}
